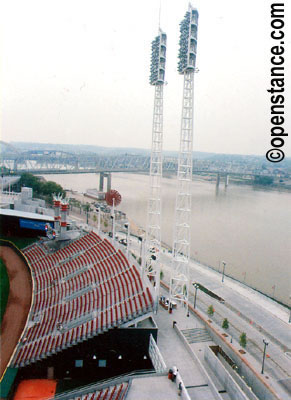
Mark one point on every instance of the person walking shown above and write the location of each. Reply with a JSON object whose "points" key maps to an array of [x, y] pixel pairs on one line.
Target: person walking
{"points": [[175, 370]]}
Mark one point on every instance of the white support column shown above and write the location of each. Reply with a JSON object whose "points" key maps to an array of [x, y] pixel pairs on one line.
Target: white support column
{"points": [[153, 234], [179, 285], [151, 259]]}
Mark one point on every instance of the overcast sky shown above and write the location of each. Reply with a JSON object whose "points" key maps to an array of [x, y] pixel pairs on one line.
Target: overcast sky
{"points": [[76, 71]]}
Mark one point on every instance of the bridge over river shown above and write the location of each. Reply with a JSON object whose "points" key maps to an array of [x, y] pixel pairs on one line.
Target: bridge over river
{"points": [[59, 162]]}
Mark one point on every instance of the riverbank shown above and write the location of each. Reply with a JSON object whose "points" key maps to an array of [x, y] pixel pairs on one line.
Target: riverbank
{"points": [[235, 224]]}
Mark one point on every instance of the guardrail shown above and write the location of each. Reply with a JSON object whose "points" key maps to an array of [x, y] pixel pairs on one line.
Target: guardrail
{"points": [[128, 377]]}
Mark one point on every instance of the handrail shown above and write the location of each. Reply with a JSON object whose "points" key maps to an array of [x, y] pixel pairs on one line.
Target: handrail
{"points": [[104, 383]]}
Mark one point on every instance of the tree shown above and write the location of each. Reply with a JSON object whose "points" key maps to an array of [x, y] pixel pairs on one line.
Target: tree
{"points": [[225, 323], [263, 180], [210, 310], [243, 339], [87, 209], [40, 187]]}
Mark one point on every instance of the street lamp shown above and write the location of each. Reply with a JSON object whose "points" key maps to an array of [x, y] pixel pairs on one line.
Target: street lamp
{"points": [[140, 239], [98, 211], [265, 345], [87, 212], [196, 286], [224, 264], [127, 238]]}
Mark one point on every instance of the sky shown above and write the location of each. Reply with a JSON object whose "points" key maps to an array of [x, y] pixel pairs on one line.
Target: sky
{"points": [[77, 72]]}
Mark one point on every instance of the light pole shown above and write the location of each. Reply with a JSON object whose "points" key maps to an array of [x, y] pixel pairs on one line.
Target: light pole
{"points": [[265, 345], [140, 239], [98, 211], [196, 286], [87, 208], [113, 219], [127, 238], [183, 210], [224, 264]]}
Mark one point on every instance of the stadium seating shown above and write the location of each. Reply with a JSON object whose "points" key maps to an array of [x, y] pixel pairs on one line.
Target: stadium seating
{"points": [[81, 290], [114, 392]]}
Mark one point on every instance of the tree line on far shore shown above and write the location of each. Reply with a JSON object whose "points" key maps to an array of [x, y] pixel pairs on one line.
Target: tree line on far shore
{"points": [[41, 188]]}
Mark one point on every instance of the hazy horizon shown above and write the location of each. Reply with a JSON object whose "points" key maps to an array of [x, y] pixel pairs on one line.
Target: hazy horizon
{"points": [[77, 73], [140, 149]]}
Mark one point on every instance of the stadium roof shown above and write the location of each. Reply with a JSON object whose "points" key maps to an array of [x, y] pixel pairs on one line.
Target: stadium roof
{"points": [[24, 214]]}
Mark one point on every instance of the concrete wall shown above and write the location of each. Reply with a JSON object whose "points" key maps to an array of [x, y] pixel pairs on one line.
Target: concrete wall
{"points": [[184, 393], [236, 377], [261, 390], [198, 362], [233, 390], [259, 386]]}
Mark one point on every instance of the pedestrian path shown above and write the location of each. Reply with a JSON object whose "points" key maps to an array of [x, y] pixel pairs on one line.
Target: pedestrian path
{"points": [[263, 301], [277, 365], [266, 315], [175, 354]]}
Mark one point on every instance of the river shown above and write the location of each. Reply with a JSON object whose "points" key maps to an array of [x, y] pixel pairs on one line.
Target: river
{"points": [[249, 229]]}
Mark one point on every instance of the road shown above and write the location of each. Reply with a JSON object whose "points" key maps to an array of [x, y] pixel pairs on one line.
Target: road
{"points": [[247, 311]]}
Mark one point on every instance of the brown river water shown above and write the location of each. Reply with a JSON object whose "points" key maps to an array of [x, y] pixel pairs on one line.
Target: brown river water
{"points": [[249, 229]]}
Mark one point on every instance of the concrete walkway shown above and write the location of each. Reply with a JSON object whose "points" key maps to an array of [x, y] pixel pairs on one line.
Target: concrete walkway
{"points": [[245, 314], [175, 354]]}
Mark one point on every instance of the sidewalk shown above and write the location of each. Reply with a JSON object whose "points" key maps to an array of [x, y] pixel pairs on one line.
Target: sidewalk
{"points": [[175, 354], [247, 311], [256, 309]]}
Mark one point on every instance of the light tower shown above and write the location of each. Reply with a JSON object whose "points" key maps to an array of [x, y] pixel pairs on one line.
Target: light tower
{"points": [[151, 259], [179, 284]]}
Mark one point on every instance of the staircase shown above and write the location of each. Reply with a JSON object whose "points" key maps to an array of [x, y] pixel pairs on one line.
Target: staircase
{"points": [[196, 335]]}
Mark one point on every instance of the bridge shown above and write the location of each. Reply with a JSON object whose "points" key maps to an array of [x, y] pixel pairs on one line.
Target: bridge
{"points": [[60, 162]]}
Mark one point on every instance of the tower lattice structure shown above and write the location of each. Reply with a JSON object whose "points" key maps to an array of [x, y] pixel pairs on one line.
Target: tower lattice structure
{"points": [[151, 259], [179, 284]]}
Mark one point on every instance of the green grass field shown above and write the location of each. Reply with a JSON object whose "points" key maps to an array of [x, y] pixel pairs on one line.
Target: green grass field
{"points": [[4, 280], [4, 288], [20, 242]]}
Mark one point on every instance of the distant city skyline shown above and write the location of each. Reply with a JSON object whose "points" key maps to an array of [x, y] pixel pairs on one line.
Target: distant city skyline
{"points": [[78, 73]]}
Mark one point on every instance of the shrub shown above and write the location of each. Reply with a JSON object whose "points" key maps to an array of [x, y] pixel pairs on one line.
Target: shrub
{"points": [[243, 339], [210, 310], [225, 323]]}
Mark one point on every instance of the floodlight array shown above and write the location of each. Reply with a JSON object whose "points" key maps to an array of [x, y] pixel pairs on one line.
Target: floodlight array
{"points": [[188, 41], [158, 60]]}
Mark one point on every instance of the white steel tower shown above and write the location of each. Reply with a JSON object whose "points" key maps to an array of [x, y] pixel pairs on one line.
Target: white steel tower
{"points": [[179, 285], [151, 259]]}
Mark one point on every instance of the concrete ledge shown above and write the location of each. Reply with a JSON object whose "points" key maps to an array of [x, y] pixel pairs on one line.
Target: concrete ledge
{"points": [[260, 387], [197, 361], [234, 391]]}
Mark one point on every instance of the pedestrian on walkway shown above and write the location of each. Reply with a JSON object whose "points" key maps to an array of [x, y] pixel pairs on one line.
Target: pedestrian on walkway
{"points": [[175, 370], [180, 389]]}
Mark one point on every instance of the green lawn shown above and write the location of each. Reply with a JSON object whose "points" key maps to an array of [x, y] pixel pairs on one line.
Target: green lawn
{"points": [[20, 242], [4, 288], [4, 280]]}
